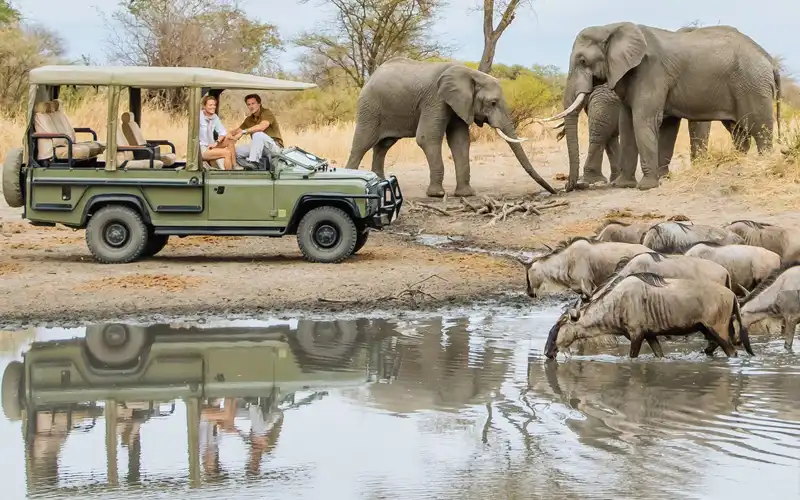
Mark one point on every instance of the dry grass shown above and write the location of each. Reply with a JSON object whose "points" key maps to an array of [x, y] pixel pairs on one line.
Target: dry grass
{"points": [[770, 181]]}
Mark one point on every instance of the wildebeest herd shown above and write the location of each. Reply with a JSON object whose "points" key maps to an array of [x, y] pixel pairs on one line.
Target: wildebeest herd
{"points": [[642, 281]]}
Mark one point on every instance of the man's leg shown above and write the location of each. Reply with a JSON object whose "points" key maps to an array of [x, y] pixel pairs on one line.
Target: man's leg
{"points": [[261, 140]]}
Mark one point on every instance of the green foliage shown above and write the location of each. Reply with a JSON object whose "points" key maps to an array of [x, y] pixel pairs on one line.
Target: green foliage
{"points": [[8, 14], [528, 96], [318, 107]]}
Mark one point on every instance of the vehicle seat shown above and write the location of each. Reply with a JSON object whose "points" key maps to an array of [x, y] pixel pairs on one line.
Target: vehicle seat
{"points": [[133, 134], [44, 122], [125, 159], [61, 121]]}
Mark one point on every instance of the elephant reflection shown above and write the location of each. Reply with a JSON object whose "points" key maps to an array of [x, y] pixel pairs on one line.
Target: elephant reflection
{"points": [[447, 377]]}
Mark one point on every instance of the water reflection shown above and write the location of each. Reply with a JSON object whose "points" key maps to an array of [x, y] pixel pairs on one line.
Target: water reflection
{"points": [[445, 407]]}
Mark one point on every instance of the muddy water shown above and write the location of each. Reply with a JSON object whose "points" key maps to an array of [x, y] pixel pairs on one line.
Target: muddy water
{"points": [[450, 406]]}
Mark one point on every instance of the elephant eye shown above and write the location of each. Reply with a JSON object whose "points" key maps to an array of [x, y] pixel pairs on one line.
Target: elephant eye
{"points": [[494, 102], [582, 61]]}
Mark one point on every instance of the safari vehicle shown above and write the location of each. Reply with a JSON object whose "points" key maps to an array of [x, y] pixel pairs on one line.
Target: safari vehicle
{"points": [[130, 196]]}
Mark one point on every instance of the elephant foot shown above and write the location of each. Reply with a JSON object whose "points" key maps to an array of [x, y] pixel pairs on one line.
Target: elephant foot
{"points": [[663, 173], [465, 190], [592, 178], [622, 182], [648, 182], [435, 191]]}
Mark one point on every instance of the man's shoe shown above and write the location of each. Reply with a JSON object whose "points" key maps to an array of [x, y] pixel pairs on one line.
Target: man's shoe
{"points": [[246, 164]]}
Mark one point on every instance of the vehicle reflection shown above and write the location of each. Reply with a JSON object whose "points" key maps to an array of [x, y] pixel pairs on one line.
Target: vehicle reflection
{"points": [[125, 375]]}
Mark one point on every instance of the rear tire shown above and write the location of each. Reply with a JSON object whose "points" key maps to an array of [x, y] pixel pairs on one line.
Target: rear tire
{"points": [[116, 235], [327, 235], [116, 345], [155, 243], [12, 186], [12, 390]]}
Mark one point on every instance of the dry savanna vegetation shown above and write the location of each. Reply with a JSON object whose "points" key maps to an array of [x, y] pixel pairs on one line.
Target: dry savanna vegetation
{"points": [[339, 56]]}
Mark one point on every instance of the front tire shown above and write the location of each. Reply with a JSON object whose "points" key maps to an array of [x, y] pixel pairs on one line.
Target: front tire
{"points": [[116, 345], [327, 235], [361, 240], [116, 235]]}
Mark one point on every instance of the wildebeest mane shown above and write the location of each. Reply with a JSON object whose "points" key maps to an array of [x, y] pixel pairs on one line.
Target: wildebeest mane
{"points": [[769, 280], [753, 224], [651, 279], [706, 243], [564, 244]]}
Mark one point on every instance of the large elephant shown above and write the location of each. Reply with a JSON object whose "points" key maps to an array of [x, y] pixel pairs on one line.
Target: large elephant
{"points": [[428, 100], [661, 76], [602, 110]]}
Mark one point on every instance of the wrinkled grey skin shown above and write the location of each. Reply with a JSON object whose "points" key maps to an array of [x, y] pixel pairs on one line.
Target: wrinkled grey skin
{"points": [[428, 101], [614, 230], [661, 76], [602, 110], [579, 264], [783, 241], [674, 307], [678, 237], [748, 265], [777, 297]]}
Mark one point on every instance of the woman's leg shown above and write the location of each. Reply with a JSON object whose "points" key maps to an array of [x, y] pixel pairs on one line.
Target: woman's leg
{"points": [[217, 153]]}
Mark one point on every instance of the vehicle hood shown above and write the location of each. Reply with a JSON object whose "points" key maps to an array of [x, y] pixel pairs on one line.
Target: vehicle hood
{"points": [[334, 173]]}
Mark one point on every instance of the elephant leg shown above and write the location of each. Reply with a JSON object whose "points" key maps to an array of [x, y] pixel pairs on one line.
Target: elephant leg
{"points": [[612, 151], [698, 138], [364, 139], [668, 134], [740, 140], [593, 166], [628, 149], [430, 133], [646, 126], [379, 155], [458, 142]]}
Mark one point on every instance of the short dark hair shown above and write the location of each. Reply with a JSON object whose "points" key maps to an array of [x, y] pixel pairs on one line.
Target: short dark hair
{"points": [[253, 96]]}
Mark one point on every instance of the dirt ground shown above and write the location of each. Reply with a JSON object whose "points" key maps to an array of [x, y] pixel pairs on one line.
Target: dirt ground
{"points": [[47, 275]]}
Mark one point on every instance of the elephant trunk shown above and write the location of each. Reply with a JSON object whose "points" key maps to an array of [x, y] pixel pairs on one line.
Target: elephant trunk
{"points": [[522, 158], [573, 150]]}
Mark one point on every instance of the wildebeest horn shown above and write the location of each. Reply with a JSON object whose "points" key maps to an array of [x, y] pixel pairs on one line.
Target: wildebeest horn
{"points": [[745, 290], [525, 262]]}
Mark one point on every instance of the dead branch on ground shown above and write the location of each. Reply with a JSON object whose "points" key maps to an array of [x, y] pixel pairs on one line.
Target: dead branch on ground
{"points": [[412, 292]]}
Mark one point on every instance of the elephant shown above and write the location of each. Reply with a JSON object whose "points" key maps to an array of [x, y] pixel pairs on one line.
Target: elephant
{"points": [[701, 74], [602, 110], [428, 100]]}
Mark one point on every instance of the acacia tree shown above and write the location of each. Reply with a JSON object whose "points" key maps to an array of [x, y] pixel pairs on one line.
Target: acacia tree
{"points": [[504, 11], [366, 33], [8, 14], [204, 33]]}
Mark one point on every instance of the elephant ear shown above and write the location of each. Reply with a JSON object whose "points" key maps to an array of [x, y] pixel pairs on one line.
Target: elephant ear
{"points": [[456, 86], [625, 49]]}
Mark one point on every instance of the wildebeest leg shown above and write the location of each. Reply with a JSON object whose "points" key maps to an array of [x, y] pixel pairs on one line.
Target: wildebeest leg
{"points": [[710, 347], [714, 337], [789, 326], [636, 345], [655, 345]]}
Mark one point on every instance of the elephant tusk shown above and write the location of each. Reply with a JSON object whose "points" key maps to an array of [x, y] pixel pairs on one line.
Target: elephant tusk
{"points": [[569, 110], [507, 138]]}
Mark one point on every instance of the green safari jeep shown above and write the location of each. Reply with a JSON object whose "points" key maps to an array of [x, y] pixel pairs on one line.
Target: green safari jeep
{"points": [[130, 196]]}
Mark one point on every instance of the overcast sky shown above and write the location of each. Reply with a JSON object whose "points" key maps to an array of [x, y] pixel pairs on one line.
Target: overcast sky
{"points": [[540, 35]]}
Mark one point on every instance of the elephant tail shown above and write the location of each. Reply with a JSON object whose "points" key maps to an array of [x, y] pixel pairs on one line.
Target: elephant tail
{"points": [[776, 72]]}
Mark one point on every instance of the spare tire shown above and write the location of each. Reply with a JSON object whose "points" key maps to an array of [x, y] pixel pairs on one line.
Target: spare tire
{"points": [[13, 390], [12, 189]]}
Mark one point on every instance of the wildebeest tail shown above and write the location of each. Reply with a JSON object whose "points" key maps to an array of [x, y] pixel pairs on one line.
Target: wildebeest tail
{"points": [[743, 334]]}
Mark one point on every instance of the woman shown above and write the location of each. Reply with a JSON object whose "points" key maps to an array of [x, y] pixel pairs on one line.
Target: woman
{"points": [[210, 149]]}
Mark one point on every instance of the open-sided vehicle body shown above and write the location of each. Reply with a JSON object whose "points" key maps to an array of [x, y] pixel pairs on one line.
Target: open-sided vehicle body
{"points": [[131, 196]]}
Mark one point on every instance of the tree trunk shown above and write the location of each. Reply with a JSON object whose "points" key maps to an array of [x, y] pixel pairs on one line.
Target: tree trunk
{"points": [[487, 58]]}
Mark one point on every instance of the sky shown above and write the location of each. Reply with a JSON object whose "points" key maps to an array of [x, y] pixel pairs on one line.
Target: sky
{"points": [[542, 34]]}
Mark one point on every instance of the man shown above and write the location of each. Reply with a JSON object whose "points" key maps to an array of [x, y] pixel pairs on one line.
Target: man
{"points": [[211, 150], [262, 127]]}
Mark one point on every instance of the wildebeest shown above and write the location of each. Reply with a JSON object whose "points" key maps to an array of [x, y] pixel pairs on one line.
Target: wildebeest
{"points": [[670, 266], [776, 297], [748, 265], [676, 237], [783, 241], [614, 230], [579, 264], [642, 306]]}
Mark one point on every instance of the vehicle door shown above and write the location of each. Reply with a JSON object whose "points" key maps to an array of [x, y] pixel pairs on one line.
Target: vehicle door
{"points": [[240, 195]]}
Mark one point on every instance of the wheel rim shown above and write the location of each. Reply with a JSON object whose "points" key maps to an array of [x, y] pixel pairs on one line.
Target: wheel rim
{"points": [[116, 234], [326, 235], [115, 335]]}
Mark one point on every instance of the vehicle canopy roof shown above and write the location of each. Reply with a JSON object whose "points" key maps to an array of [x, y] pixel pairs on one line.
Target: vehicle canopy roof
{"points": [[158, 77]]}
